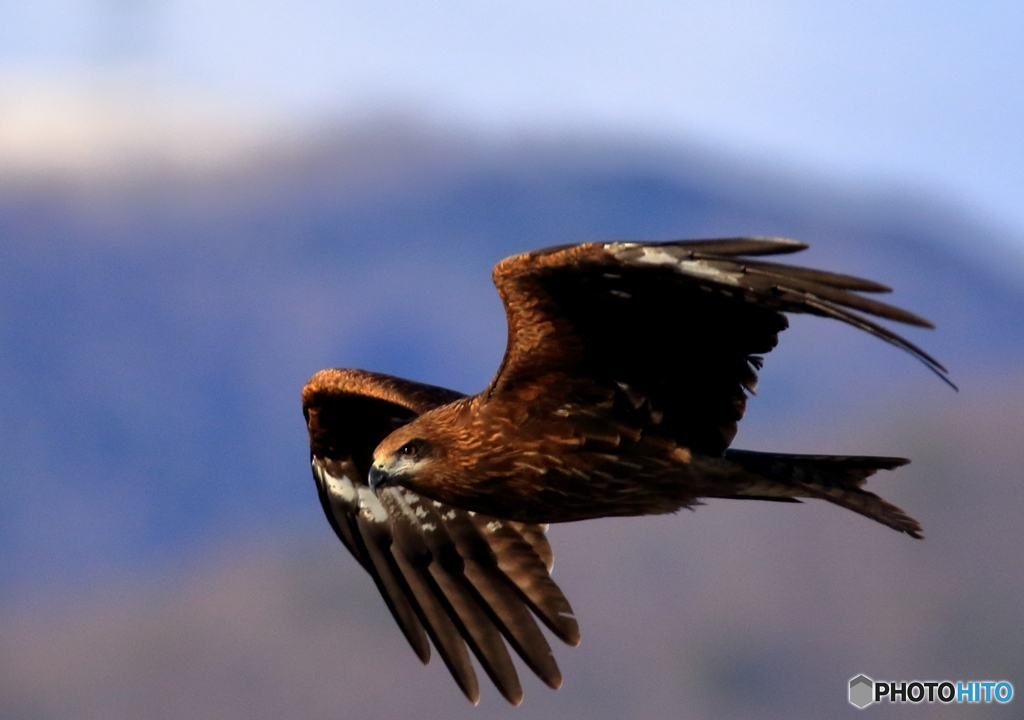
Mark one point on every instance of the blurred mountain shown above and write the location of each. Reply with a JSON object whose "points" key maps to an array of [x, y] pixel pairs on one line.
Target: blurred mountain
{"points": [[157, 324]]}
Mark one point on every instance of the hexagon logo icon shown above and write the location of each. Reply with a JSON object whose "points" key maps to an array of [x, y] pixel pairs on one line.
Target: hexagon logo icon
{"points": [[862, 691]]}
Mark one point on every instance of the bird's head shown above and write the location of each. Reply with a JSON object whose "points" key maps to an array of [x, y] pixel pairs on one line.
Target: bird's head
{"points": [[400, 457]]}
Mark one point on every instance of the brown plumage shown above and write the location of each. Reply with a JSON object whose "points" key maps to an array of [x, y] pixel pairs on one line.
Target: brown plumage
{"points": [[454, 576], [627, 369]]}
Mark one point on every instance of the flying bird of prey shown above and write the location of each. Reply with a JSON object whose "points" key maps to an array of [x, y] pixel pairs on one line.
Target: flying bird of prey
{"points": [[627, 368]]}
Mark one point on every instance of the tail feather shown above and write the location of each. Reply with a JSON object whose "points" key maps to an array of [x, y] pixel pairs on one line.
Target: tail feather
{"points": [[835, 478]]}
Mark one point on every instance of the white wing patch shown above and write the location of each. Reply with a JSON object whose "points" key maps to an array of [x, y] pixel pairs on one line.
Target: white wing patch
{"points": [[702, 268], [663, 256], [409, 504], [342, 487], [370, 507]]}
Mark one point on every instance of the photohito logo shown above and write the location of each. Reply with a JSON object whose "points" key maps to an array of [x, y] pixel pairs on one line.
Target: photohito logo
{"points": [[864, 691]]}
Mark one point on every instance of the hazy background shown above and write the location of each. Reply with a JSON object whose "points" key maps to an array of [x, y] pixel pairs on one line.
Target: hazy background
{"points": [[203, 203]]}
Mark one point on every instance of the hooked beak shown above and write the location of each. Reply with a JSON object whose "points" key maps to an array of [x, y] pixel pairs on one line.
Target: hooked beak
{"points": [[378, 478]]}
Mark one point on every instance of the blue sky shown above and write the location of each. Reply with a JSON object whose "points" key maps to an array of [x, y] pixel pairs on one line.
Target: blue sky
{"points": [[922, 95]]}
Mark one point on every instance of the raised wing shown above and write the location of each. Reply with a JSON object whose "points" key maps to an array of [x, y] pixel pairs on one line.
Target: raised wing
{"points": [[458, 578], [678, 327]]}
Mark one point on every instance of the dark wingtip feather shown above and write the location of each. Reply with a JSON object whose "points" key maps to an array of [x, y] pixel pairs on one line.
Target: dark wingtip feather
{"points": [[721, 247], [439, 626], [859, 321], [751, 246], [836, 280]]}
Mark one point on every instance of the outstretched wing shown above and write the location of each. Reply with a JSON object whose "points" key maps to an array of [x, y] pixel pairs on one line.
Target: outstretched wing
{"points": [[447, 574], [677, 327]]}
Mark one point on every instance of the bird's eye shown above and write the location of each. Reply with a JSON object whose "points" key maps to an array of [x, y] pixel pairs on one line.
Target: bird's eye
{"points": [[409, 450]]}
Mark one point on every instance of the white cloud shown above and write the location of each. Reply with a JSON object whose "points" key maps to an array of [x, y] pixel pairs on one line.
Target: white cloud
{"points": [[117, 125]]}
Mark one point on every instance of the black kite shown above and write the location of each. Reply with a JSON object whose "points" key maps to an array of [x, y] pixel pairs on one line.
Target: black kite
{"points": [[627, 369]]}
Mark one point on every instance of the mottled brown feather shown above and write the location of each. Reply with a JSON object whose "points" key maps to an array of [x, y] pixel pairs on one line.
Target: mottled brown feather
{"points": [[624, 361]]}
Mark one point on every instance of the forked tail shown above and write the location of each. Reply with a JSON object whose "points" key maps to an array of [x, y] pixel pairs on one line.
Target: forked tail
{"points": [[836, 478]]}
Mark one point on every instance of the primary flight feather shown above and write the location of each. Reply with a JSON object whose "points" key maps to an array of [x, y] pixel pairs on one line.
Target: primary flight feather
{"points": [[627, 368]]}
